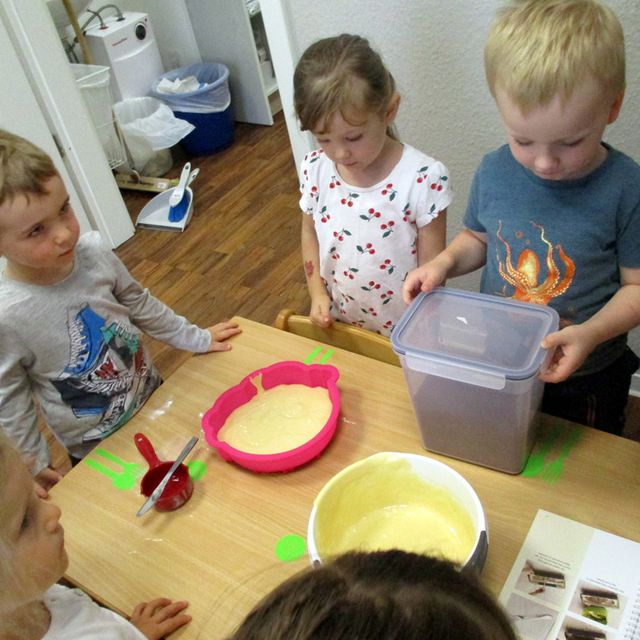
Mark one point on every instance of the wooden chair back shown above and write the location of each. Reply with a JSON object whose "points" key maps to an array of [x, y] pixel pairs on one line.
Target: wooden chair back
{"points": [[341, 335]]}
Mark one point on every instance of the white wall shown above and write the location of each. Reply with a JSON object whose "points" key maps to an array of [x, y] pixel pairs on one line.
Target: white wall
{"points": [[434, 50], [40, 59], [21, 114]]}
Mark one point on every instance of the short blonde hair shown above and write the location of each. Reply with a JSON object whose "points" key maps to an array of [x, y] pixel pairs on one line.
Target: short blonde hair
{"points": [[537, 49], [24, 168], [340, 74]]}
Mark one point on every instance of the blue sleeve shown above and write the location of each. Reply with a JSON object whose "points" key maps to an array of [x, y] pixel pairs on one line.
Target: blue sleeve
{"points": [[473, 206], [628, 243]]}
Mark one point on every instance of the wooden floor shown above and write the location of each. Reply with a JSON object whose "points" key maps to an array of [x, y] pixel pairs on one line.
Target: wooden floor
{"points": [[240, 255]]}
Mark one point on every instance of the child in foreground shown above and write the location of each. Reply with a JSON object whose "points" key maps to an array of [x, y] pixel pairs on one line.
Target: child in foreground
{"points": [[33, 559], [71, 319], [554, 215], [383, 595], [375, 208]]}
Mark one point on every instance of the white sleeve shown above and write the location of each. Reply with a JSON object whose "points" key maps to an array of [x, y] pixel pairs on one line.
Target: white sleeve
{"points": [[308, 178], [74, 616], [436, 193]]}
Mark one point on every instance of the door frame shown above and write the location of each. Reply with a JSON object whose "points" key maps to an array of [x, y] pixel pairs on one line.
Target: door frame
{"points": [[284, 58], [38, 48], [20, 114]]}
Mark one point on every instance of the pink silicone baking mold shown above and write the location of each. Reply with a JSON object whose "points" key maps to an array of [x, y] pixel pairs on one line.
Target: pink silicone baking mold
{"points": [[287, 372]]}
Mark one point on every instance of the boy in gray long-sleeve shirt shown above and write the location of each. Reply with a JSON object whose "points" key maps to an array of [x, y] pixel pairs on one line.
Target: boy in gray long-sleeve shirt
{"points": [[71, 319]]}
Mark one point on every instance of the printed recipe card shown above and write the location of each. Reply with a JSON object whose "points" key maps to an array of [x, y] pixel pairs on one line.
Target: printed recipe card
{"points": [[574, 582]]}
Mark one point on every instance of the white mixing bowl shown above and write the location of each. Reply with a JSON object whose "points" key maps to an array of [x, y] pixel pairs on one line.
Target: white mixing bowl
{"points": [[382, 502]]}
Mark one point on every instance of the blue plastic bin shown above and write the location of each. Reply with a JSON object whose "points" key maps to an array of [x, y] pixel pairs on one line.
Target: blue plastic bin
{"points": [[208, 108], [213, 131]]}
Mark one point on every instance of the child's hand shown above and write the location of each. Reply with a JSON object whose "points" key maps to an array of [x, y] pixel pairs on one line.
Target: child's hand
{"points": [[160, 617], [572, 345], [45, 480], [424, 278], [319, 312], [222, 331]]}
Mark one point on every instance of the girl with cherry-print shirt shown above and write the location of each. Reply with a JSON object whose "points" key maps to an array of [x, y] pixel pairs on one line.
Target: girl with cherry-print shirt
{"points": [[376, 208]]}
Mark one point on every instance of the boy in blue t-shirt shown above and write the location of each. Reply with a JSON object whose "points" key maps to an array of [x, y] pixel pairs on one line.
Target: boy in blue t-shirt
{"points": [[554, 215]]}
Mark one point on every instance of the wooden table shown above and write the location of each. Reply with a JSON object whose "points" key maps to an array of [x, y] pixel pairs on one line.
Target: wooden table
{"points": [[218, 551]]}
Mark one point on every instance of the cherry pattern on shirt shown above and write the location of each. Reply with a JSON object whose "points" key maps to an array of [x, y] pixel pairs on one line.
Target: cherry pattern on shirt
{"points": [[367, 237]]}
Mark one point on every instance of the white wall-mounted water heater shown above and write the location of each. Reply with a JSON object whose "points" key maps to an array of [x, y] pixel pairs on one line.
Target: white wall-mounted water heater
{"points": [[129, 48]]}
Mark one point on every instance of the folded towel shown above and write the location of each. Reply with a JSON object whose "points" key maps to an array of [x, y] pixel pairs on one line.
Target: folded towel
{"points": [[179, 85]]}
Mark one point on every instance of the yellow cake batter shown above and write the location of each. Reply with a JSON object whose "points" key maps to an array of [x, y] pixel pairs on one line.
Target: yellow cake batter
{"points": [[386, 505], [278, 419]]}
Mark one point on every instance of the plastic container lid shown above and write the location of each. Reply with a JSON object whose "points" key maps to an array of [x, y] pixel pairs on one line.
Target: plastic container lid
{"points": [[447, 332]]}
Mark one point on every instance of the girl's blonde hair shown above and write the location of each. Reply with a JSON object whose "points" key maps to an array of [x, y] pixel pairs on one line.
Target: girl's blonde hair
{"points": [[537, 49], [24, 168], [382, 595], [342, 74]]}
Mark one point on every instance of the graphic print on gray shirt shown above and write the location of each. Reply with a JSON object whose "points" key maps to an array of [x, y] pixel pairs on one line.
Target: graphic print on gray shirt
{"points": [[75, 349]]}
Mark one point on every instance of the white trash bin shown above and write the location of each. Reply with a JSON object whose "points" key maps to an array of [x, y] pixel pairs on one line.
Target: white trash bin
{"points": [[149, 129]]}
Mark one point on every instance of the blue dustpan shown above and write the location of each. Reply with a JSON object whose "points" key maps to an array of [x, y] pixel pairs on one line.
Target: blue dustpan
{"points": [[156, 214], [178, 201], [179, 211]]}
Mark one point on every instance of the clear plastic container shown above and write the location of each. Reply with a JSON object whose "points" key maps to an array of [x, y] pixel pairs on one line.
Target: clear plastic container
{"points": [[471, 362]]}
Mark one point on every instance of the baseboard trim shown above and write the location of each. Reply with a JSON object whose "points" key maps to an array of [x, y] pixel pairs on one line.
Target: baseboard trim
{"points": [[635, 385]]}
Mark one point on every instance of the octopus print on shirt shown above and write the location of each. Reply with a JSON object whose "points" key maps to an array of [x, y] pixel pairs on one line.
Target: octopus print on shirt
{"points": [[525, 276], [367, 235], [562, 243]]}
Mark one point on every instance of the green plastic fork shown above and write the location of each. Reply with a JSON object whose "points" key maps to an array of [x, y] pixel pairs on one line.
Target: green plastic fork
{"points": [[131, 468], [123, 480], [552, 471]]}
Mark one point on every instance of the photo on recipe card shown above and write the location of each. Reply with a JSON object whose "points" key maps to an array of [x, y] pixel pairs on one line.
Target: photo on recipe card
{"points": [[574, 582]]}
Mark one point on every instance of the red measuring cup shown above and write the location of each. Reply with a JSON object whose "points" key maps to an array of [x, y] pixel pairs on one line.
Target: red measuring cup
{"points": [[178, 489]]}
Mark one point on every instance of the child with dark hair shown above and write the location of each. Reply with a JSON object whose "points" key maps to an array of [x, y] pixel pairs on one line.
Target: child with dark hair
{"points": [[382, 595]]}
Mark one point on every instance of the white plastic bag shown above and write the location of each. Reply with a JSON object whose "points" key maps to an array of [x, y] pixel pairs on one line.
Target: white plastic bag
{"points": [[211, 96], [148, 126]]}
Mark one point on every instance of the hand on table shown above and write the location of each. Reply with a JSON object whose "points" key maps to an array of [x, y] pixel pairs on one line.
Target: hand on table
{"points": [[160, 617], [220, 332], [320, 311]]}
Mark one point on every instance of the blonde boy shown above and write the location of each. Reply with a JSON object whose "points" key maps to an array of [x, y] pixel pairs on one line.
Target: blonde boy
{"points": [[554, 215], [71, 319]]}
